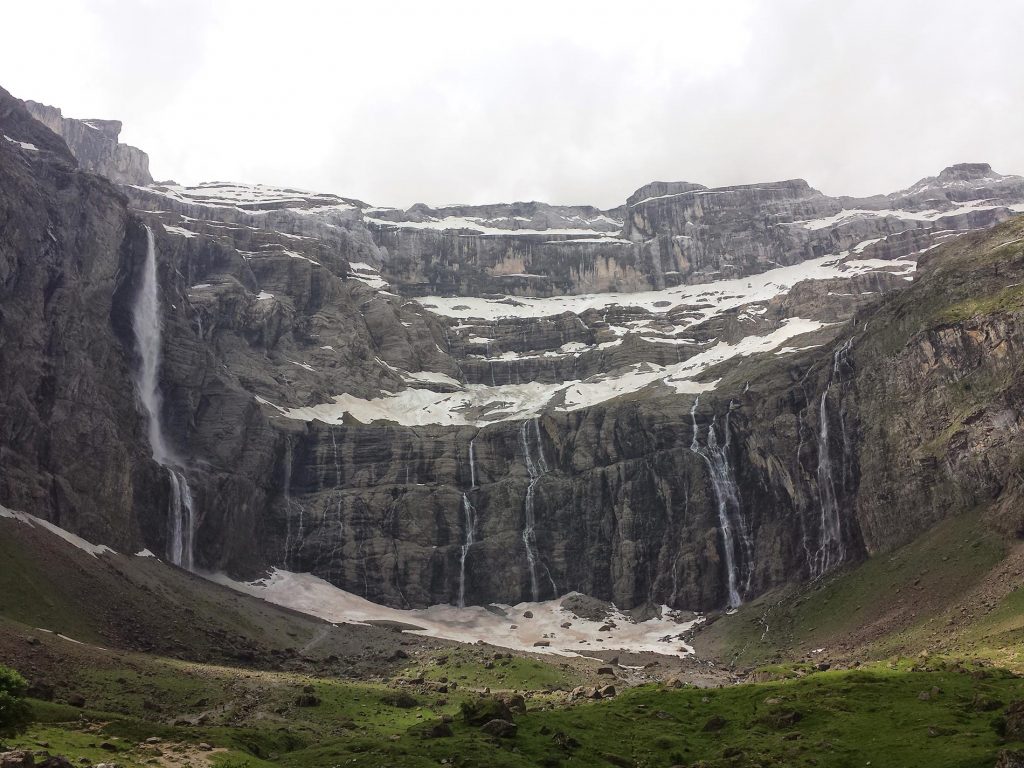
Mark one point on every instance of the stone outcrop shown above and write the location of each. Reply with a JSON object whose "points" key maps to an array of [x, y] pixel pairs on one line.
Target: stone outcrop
{"points": [[95, 145]]}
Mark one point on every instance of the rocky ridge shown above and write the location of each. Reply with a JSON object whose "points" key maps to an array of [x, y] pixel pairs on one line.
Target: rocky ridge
{"points": [[675, 441]]}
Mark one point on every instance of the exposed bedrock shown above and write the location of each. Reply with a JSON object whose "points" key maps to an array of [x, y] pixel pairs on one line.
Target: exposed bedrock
{"points": [[902, 409]]}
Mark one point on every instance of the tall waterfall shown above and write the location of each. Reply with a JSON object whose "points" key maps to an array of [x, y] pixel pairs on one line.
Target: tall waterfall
{"points": [[727, 499], [146, 326], [535, 469], [469, 526], [472, 465], [831, 549]]}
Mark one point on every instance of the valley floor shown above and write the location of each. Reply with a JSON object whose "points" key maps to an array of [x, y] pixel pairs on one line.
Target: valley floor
{"points": [[909, 659]]}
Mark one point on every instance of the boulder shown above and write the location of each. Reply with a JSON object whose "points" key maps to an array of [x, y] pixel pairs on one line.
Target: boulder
{"points": [[502, 729], [485, 709]]}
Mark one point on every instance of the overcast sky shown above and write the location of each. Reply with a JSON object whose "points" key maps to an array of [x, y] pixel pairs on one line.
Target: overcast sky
{"points": [[569, 102]]}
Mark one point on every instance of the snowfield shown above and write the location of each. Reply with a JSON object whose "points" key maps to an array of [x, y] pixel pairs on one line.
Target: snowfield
{"points": [[710, 299], [502, 625]]}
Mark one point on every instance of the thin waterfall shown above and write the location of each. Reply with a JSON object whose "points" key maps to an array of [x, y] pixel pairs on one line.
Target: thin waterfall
{"points": [[726, 497], [147, 330], [831, 549], [289, 458], [472, 464], [469, 526], [535, 470], [337, 480]]}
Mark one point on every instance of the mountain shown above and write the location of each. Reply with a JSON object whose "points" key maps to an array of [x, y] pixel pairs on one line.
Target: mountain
{"points": [[688, 400]]}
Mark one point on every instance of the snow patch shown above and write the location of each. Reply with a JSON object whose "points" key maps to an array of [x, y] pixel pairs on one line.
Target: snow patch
{"points": [[310, 594], [23, 144], [708, 299], [77, 541], [478, 404]]}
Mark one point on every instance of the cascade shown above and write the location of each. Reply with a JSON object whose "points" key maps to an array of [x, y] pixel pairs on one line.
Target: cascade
{"points": [[472, 465], [727, 500], [469, 526], [831, 549], [535, 469], [287, 493], [337, 479], [146, 327]]}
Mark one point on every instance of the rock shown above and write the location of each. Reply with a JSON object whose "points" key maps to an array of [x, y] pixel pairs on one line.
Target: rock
{"points": [[715, 723], [605, 671], [515, 702], [564, 741], [1010, 759], [437, 730], [485, 709], [109, 746], [983, 703], [94, 144], [399, 699], [17, 759], [527, 614], [541, 643], [779, 719], [1014, 719], [307, 700], [502, 729], [204, 746], [607, 691], [76, 700]]}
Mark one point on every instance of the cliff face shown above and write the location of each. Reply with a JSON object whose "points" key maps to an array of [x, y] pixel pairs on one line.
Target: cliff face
{"points": [[691, 445], [94, 144], [72, 445]]}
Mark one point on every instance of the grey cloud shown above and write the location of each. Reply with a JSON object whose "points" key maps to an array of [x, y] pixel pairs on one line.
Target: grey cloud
{"points": [[570, 102]]}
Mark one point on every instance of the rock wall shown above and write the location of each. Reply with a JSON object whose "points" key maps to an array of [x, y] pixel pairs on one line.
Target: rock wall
{"points": [[95, 145], [903, 410]]}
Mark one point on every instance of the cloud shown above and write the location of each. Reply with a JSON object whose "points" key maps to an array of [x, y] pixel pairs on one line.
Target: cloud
{"points": [[568, 102]]}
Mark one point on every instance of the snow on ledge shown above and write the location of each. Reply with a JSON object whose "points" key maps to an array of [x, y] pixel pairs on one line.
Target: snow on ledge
{"points": [[711, 298], [478, 404], [312, 595]]}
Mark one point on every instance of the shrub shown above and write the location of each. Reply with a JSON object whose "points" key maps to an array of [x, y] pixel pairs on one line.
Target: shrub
{"points": [[14, 710]]}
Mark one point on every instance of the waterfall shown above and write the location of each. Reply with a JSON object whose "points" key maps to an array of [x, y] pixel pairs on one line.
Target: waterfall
{"points": [[337, 480], [289, 458], [472, 465], [535, 469], [831, 549], [727, 499], [469, 526], [146, 327]]}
